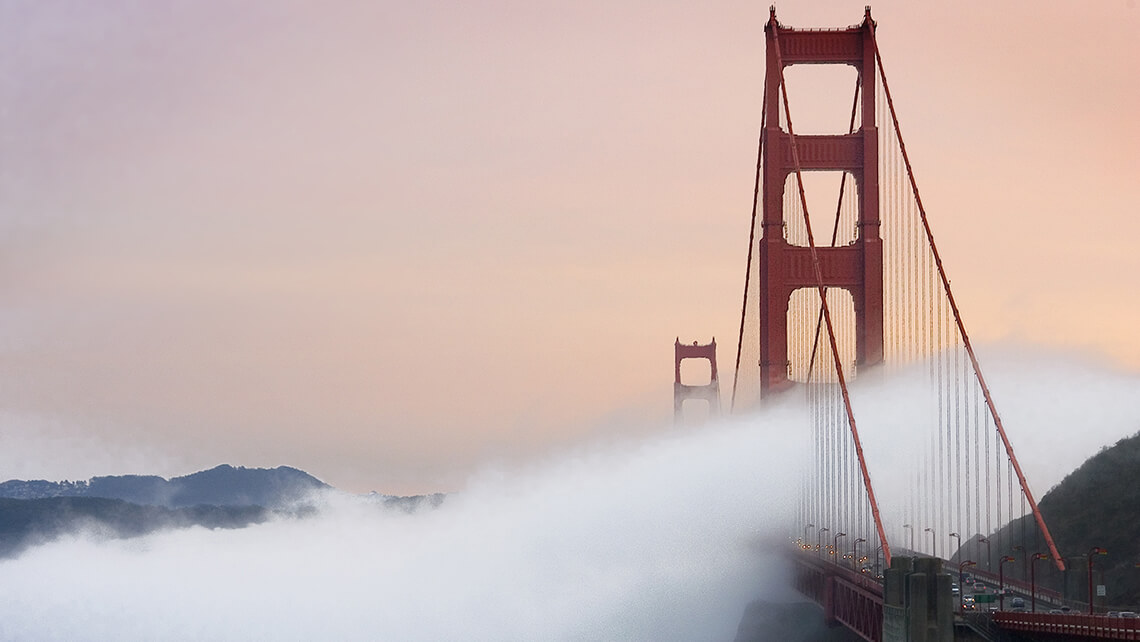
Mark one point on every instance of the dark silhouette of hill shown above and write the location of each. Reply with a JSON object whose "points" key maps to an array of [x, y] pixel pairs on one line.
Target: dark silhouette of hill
{"points": [[29, 522], [38, 511], [1096, 505], [223, 485], [228, 486]]}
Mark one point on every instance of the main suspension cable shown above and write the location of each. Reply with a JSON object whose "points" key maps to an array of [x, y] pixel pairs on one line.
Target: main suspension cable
{"points": [[1058, 561], [751, 241]]}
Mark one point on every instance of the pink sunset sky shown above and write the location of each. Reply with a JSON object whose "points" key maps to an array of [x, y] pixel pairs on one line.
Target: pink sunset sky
{"points": [[388, 242]]}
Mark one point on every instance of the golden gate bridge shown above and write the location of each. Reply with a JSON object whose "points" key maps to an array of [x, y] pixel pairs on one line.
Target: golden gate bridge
{"points": [[867, 299]]}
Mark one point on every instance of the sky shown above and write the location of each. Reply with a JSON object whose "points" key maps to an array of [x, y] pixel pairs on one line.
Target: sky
{"points": [[392, 243]]}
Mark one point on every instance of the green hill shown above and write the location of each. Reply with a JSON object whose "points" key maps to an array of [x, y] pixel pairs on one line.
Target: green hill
{"points": [[1096, 505]]}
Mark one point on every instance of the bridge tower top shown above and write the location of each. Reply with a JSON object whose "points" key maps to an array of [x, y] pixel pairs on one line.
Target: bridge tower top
{"points": [[681, 391], [788, 266]]}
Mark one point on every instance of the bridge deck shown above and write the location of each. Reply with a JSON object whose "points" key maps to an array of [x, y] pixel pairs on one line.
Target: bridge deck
{"points": [[855, 601], [1083, 627]]}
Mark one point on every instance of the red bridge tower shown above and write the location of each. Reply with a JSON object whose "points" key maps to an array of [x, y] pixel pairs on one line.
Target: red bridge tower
{"points": [[785, 268], [709, 391]]}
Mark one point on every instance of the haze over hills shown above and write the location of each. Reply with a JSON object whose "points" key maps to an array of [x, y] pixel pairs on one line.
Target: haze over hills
{"points": [[29, 522], [37, 511], [223, 485]]}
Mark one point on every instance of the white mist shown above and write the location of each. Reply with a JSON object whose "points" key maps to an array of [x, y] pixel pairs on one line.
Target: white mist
{"points": [[654, 541], [663, 540]]}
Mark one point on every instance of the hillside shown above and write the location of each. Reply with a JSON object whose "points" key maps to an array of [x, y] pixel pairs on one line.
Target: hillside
{"points": [[223, 485], [1096, 505], [28, 522], [37, 511]]}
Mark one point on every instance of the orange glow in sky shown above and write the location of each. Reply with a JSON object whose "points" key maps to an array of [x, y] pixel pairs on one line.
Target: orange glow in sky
{"points": [[386, 242]]}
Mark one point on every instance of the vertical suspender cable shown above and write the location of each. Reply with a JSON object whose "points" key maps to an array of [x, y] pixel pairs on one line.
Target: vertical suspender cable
{"points": [[998, 479], [977, 458], [819, 284], [961, 327], [988, 486], [834, 230], [968, 514], [955, 478]]}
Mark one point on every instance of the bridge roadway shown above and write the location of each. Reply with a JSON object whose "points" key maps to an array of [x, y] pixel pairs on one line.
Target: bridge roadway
{"points": [[1046, 597], [855, 600]]}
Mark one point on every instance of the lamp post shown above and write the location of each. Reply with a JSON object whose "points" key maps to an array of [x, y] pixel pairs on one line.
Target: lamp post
{"points": [[1033, 580], [911, 537], [933, 543], [989, 557], [959, 547], [835, 545], [961, 586], [1096, 550], [854, 553], [819, 541], [1001, 579], [806, 528]]}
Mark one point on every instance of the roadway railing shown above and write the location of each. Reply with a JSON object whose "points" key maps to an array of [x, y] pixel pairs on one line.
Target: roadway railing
{"points": [[1097, 627], [848, 597]]}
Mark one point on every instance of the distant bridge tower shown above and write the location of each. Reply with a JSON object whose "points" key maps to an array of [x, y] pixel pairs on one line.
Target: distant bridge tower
{"points": [[709, 392], [785, 268]]}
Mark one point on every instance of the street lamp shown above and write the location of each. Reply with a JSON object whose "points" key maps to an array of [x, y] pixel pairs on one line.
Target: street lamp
{"points": [[961, 585], [1096, 550], [989, 557], [1001, 579], [1033, 580], [933, 543], [959, 547], [835, 545], [819, 541], [806, 528], [854, 553], [911, 537]]}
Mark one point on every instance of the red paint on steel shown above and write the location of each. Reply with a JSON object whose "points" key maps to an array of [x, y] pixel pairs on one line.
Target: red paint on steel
{"points": [[695, 351], [710, 392], [847, 597], [958, 319], [773, 30], [1072, 625], [785, 268], [834, 235]]}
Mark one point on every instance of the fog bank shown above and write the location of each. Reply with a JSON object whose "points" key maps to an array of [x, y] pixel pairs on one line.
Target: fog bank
{"points": [[652, 541]]}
